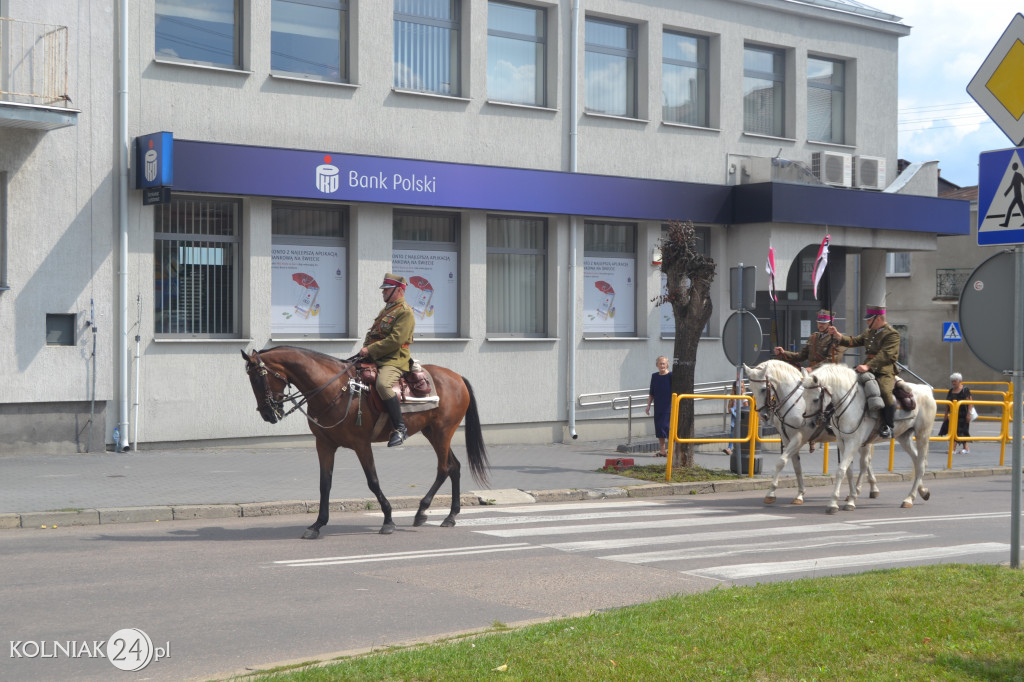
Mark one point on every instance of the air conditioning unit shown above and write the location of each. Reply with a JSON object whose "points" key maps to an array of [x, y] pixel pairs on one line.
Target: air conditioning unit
{"points": [[869, 172], [833, 168]]}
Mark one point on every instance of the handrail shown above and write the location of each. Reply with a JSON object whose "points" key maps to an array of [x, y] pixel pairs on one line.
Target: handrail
{"points": [[705, 387], [33, 63]]}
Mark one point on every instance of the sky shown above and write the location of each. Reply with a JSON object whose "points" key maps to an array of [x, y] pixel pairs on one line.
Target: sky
{"points": [[948, 41]]}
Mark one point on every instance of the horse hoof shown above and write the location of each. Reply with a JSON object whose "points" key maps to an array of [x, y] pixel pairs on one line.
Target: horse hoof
{"points": [[387, 529], [419, 520], [907, 504], [874, 494], [797, 501], [448, 522], [769, 500], [925, 493], [849, 507], [832, 510], [311, 534]]}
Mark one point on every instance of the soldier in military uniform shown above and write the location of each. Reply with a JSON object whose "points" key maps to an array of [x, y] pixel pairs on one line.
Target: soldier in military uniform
{"points": [[387, 344], [881, 346], [820, 347]]}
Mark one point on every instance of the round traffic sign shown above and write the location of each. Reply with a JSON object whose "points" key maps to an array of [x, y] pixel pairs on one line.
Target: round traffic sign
{"points": [[742, 349], [986, 311]]}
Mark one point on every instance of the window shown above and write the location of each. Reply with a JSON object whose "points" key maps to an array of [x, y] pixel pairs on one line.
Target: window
{"points": [[3, 231], [516, 276], [427, 46], [609, 278], [516, 45], [825, 100], [425, 251], [684, 79], [764, 83], [897, 264], [60, 329], [196, 267], [611, 67], [200, 31], [665, 312], [309, 275], [310, 38]]}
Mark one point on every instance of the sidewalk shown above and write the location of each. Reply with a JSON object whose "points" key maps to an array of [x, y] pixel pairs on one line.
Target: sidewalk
{"points": [[150, 485]]}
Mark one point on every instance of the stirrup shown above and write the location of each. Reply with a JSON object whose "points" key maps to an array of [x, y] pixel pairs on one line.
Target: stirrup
{"points": [[885, 432], [398, 436]]}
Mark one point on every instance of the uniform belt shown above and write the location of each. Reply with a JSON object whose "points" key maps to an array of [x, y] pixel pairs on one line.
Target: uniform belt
{"points": [[871, 356]]}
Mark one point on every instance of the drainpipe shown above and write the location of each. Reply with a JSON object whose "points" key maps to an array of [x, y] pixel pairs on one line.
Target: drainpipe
{"points": [[122, 218], [574, 42]]}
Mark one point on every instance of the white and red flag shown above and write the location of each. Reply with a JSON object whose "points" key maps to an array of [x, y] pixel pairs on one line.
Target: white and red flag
{"points": [[820, 262], [769, 267]]}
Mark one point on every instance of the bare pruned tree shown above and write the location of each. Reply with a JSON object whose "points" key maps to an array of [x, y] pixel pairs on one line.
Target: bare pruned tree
{"points": [[688, 291]]}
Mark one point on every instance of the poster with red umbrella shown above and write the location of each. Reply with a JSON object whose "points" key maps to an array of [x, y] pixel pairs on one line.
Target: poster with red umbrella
{"points": [[306, 305], [308, 292], [421, 293], [609, 294]]}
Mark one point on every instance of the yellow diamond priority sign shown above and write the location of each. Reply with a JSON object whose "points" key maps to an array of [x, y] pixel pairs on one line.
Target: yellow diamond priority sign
{"points": [[998, 87]]}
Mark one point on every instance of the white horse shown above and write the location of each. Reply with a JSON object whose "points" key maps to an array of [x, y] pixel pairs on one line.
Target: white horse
{"points": [[840, 398], [779, 396]]}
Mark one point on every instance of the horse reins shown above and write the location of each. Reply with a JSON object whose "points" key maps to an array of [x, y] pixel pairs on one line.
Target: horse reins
{"points": [[773, 405], [298, 399]]}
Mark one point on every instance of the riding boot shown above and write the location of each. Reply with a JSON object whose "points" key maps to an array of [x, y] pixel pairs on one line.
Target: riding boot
{"points": [[400, 433], [888, 414]]}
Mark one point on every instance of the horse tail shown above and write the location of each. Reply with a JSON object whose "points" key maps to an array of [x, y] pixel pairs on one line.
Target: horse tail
{"points": [[475, 440]]}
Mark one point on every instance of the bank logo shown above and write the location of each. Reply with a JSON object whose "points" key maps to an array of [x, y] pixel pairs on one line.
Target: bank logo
{"points": [[130, 649], [151, 164], [327, 176]]}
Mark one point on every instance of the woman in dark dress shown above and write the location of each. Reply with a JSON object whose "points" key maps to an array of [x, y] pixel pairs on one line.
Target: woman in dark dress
{"points": [[963, 422], [661, 395]]}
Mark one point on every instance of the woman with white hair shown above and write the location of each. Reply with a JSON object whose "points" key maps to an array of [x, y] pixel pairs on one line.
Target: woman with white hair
{"points": [[963, 423]]}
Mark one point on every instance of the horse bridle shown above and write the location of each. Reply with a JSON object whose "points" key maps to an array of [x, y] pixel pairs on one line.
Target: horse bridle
{"points": [[275, 402], [773, 404], [836, 408]]}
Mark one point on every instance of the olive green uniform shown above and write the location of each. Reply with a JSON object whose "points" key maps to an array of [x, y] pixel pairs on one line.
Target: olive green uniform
{"points": [[821, 347], [387, 343], [882, 347]]}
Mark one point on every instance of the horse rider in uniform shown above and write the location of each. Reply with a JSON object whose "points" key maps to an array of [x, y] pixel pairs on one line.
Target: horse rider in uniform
{"points": [[820, 347], [387, 344], [881, 346]]}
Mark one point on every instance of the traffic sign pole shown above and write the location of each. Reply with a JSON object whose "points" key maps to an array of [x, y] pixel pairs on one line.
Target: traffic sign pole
{"points": [[1018, 379]]}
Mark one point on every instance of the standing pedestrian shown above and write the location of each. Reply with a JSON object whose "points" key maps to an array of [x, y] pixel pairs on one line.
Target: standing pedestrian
{"points": [[957, 392], [660, 395]]}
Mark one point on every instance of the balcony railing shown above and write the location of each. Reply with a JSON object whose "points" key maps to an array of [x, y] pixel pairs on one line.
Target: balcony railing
{"points": [[33, 63], [949, 282]]}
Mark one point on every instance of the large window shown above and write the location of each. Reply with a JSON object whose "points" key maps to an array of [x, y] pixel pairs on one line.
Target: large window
{"points": [[611, 68], [196, 267], [609, 278], [200, 31], [516, 46], [427, 46], [764, 91], [310, 38], [309, 272], [516, 275], [825, 100], [684, 79], [425, 250]]}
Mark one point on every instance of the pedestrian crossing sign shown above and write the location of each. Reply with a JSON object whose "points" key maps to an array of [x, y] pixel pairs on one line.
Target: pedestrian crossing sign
{"points": [[951, 332], [1001, 197]]}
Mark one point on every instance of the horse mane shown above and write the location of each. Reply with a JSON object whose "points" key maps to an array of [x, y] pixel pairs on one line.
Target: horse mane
{"points": [[779, 370], [835, 373], [314, 354]]}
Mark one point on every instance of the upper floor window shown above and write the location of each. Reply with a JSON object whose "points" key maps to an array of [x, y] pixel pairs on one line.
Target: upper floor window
{"points": [[609, 278], [427, 46], [611, 68], [425, 250], [825, 100], [196, 281], [684, 79], [310, 38], [200, 31], [516, 45], [897, 264], [516, 275], [764, 91]]}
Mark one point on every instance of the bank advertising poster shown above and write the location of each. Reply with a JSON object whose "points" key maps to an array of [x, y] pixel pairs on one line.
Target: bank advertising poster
{"points": [[432, 290], [665, 312], [307, 290], [608, 295]]}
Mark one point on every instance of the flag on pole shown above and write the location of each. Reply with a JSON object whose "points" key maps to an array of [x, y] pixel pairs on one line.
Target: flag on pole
{"points": [[769, 267], [820, 262]]}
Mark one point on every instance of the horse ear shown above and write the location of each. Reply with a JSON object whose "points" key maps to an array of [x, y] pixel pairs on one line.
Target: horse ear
{"points": [[746, 368], [804, 371], [246, 356]]}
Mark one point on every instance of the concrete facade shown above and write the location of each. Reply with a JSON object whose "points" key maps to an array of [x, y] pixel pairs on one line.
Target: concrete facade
{"points": [[61, 213]]}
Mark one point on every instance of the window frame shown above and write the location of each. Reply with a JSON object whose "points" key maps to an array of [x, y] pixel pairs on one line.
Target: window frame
{"points": [[837, 128], [236, 41], [777, 76], [343, 39], [540, 286], [540, 87], [454, 48], [184, 239], [631, 55], [633, 255], [454, 246], [897, 264], [701, 42]]}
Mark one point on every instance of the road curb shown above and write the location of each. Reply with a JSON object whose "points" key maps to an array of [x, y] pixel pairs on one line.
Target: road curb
{"points": [[191, 512]]}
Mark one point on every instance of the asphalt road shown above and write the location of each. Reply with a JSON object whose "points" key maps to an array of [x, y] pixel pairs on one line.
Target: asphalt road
{"points": [[221, 596]]}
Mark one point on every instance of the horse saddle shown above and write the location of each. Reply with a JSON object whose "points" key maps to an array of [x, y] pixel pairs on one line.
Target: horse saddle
{"points": [[415, 389]]}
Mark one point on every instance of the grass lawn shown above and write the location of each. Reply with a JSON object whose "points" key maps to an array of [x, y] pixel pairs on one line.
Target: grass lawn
{"points": [[944, 622]]}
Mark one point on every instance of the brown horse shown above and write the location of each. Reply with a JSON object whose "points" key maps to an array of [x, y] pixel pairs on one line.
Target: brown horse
{"points": [[340, 416]]}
